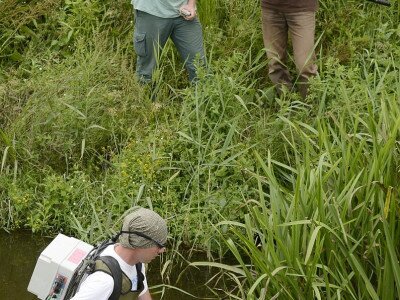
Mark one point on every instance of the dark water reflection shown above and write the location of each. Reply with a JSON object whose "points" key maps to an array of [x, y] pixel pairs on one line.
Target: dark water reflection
{"points": [[19, 252], [18, 255]]}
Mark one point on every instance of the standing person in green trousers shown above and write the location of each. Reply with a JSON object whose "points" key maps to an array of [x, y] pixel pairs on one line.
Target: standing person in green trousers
{"points": [[281, 18], [158, 20]]}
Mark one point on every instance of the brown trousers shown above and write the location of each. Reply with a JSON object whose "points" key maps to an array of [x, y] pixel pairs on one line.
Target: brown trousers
{"points": [[277, 26]]}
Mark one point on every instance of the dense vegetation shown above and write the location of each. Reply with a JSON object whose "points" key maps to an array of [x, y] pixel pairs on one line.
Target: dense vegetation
{"points": [[224, 160]]}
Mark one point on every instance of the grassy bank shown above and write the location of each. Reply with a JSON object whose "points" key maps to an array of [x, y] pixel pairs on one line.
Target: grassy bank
{"points": [[316, 180]]}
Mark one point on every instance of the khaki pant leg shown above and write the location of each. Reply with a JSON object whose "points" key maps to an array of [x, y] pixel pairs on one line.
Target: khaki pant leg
{"points": [[302, 31], [275, 35]]}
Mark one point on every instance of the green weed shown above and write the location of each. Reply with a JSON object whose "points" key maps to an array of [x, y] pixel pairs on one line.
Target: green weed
{"points": [[224, 160]]}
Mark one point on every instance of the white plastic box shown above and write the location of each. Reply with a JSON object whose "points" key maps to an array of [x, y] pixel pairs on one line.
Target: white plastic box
{"points": [[57, 263]]}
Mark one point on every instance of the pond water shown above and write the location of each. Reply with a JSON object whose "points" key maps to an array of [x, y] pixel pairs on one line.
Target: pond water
{"points": [[19, 252]]}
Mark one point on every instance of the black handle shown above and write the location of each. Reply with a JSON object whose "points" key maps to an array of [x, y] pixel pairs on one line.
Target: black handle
{"points": [[382, 2]]}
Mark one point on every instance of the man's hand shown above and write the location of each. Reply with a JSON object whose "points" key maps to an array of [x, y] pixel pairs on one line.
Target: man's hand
{"points": [[188, 11]]}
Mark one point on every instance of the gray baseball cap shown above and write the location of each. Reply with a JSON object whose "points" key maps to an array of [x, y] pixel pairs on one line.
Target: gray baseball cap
{"points": [[143, 228]]}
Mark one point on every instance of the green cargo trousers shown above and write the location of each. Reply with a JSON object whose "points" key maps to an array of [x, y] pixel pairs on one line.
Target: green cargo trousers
{"points": [[152, 32]]}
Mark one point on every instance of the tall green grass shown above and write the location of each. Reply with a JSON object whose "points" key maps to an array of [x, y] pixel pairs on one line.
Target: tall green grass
{"points": [[328, 220], [224, 159]]}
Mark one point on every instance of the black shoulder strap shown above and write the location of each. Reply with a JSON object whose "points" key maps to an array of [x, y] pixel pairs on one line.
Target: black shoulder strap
{"points": [[140, 285], [86, 267], [116, 274]]}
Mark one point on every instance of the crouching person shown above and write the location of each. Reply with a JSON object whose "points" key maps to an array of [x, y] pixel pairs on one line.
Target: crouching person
{"points": [[142, 238]]}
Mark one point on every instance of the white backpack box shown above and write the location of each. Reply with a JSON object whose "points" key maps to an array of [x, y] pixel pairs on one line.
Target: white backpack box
{"points": [[56, 266]]}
